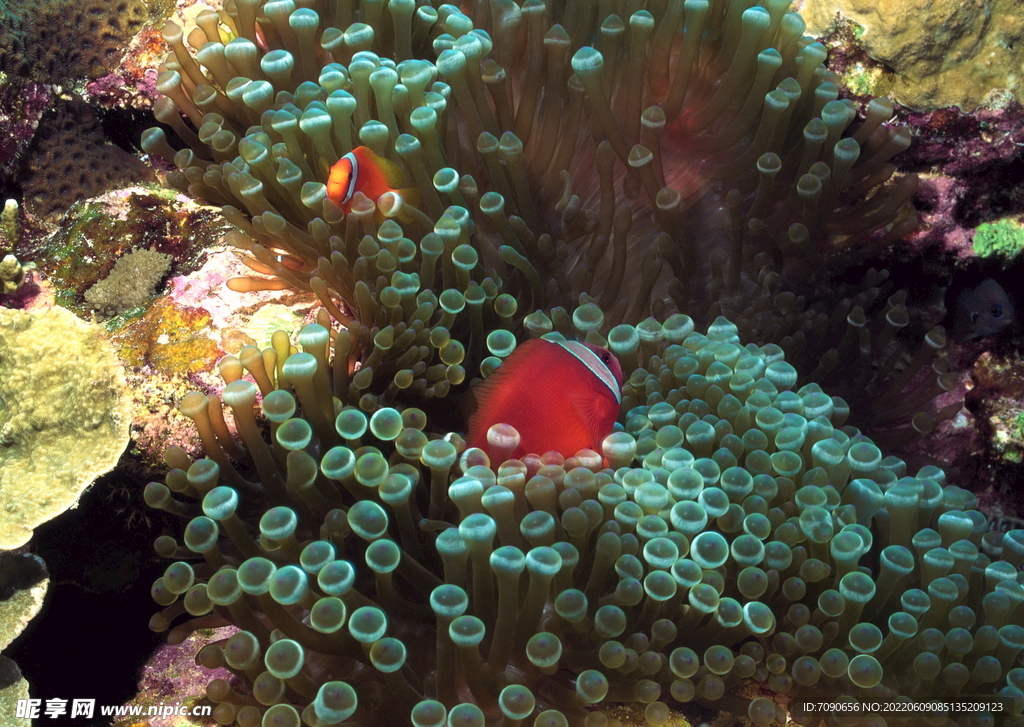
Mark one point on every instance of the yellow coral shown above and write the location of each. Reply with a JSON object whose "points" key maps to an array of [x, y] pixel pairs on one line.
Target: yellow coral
{"points": [[131, 283], [64, 416]]}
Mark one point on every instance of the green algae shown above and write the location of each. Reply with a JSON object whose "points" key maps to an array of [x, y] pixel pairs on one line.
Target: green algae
{"points": [[98, 232], [1002, 238]]}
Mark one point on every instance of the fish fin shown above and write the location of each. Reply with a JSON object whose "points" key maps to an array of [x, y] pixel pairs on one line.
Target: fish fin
{"points": [[467, 403], [475, 403], [488, 393], [393, 173], [591, 408], [410, 195]]}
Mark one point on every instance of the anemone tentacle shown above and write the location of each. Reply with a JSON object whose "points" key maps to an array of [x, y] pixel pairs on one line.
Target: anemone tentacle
{"points": [[741, 534]]}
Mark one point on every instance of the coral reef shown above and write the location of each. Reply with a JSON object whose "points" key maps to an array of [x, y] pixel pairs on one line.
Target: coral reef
{"points": [[172, 677], [22, 104], [103, 229], [739, 532], [12, 274], [997, 399], [23, 585], [70, 160], [970, 165], [64, 416], [941, 52], [131, 283], [57, 41], [173, 345]]}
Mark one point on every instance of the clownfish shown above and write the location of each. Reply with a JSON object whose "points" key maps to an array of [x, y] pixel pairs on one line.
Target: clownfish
{"points": [[361, 170], [559, 395]]}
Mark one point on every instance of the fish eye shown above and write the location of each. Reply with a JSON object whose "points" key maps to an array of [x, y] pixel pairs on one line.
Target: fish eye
{"points": [[997, 310], [606, 357]]}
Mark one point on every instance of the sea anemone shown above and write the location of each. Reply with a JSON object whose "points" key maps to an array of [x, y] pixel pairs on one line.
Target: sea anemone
{"points": [[678, 158], [740, 534], [689, 157]]}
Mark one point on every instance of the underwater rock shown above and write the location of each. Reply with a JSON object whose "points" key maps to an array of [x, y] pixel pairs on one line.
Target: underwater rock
{"points": [[942, 52]]}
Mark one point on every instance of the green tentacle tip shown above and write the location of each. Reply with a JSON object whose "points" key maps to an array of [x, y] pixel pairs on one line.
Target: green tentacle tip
{"points": [[328, 615], [316, 555], [383, 556], [501, 343], [178, 577], [429, 713], [336, 578], [201, 535], [386, 424], [223, 588], [220, 503], [544, 650], [255, 575], [338, 463], [516, 702], [367, 624], [335, 702], [388, 654], [592, 686], [466, 715], [278, 523], [289, 585], [284, 658], [294, 434], [351, 423], [368, 520]]}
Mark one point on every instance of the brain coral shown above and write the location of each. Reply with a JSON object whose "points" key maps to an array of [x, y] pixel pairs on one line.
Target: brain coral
{"points": [[735, 532], [64, 416], [71, 160], [57, 41]]}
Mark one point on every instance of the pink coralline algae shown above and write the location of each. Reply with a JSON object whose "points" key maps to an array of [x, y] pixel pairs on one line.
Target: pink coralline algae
{"points": [[171, 674], [971, 165], [120, 89], [21, 106]]}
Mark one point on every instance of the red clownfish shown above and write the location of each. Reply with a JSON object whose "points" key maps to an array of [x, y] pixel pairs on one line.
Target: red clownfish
{"points": [[361, 170], [559, 395]]}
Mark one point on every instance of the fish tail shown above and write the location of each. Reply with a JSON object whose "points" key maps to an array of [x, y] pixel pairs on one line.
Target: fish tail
{"points": [[410, 195]]}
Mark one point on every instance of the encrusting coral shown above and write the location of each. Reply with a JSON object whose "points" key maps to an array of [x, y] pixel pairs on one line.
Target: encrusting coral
{"points": [[733, 532], [64, 416], [24, 581]]}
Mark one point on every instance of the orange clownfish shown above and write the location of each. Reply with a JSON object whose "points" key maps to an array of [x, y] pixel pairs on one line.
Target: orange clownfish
{"points": [[361, 170], [559, 395]]}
